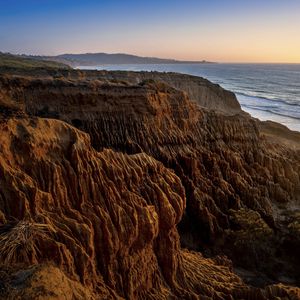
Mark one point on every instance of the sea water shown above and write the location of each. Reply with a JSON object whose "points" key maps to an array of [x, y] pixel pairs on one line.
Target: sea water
{"points": [[266, 91]]}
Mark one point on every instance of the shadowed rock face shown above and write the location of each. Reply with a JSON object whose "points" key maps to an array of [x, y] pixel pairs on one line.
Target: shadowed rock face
{"points": [[111, 217]]}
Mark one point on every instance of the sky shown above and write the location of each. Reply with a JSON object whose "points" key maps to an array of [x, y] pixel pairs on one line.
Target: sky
{"points": [[214, 30]]}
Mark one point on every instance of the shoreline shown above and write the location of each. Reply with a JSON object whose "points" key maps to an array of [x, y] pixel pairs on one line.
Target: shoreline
{"points": [[268, 116]]}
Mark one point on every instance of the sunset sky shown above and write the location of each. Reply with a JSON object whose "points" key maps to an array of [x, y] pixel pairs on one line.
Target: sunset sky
{"points": [[215, 30]]}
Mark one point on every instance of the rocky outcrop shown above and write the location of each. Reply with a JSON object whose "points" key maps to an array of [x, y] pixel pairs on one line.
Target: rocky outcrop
{"points": [[102, 212], [115, 232]]}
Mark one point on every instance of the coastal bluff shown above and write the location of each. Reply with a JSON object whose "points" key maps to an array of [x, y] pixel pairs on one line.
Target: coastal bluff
{"points": [[118, 185], [205, 93]]}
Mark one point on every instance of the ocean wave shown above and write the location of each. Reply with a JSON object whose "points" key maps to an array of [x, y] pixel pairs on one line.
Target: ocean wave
{"points": [[286, 114], [270, 99]]}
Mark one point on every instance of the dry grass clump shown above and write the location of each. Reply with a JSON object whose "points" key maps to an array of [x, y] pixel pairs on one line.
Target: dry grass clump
{"points": [[19, 241]]}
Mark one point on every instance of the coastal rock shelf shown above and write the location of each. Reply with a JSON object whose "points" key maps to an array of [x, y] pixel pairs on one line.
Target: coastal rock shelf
{"points": [[132, 202]]}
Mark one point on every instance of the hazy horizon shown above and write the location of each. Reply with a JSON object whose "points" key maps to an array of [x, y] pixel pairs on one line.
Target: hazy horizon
{"points": [[229, 31]]}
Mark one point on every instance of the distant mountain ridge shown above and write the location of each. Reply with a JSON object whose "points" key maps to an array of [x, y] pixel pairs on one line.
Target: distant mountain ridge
{"points": [[93, 59]]}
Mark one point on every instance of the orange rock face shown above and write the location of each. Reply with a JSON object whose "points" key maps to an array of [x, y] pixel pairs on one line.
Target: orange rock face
{"points": [[105, 220], [102, 210]]}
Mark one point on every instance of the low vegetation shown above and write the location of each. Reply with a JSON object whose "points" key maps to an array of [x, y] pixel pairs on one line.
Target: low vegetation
{"points": [[18, 61], [252, 240], [18, 241]]}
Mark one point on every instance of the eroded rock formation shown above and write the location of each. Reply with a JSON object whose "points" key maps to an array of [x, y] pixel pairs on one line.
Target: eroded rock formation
{"points": [[107, 220]]}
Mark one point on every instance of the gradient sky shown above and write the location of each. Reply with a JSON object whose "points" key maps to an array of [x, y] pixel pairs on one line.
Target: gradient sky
{"points": [[215, 30]]}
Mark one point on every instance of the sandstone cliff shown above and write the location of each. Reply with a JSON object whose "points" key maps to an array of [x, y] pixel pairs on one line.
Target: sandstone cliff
{"points": [[110, 218], [200, 90]]}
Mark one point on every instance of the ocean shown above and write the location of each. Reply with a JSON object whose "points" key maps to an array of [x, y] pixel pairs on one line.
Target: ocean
{"points": [[266, 91]]}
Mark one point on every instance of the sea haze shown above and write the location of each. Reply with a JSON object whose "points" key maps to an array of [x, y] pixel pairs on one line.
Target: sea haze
{"points": [[266, 91]]}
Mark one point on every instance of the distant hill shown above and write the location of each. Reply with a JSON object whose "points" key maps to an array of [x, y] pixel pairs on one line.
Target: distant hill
{"points": [[8, 60], [94, 59]]}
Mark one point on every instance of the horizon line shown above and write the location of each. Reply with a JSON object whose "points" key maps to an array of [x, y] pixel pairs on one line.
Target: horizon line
{"points": [[157, 57]]}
